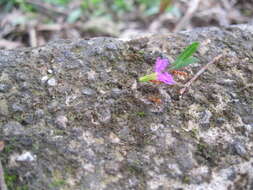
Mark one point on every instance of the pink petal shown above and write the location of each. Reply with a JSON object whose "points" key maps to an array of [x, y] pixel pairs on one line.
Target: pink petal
{"points": [[161, 64], [166, 78]]}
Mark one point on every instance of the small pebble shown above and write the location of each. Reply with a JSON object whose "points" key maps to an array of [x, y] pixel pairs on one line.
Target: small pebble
{"points": [[240, 148], [206, 116], [44, 79], [16, 107], [112, 167], [88, 91], [4, 87], [13, 128], [52, 82], [61, 121], [26, 157]]}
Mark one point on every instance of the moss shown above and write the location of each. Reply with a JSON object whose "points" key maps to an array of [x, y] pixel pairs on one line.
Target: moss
{"points": [[18, 117], [74, 116], [16, 144], [9, 146], [186, 179], [194, 133], [59, 132], [12, 181], [135, 168], [57, 183], [141, 114], [35, 147], [58, 180], [141, 52], [206, 154]]}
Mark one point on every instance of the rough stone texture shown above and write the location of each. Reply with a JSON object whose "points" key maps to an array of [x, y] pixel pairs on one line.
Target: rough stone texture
{"points": [[76, 108]]}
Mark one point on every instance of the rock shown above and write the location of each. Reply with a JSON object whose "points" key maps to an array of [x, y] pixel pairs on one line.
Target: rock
{"points": [[88, 91], [206, 115], [26, 157], [239, 148], [75, 116], [61, 121], [4, 87], [248, 119], [16, 107], [116, 92], [13, 128], [3, 108], [248, 129], [39, 113], [52, 82], [112, 168]]}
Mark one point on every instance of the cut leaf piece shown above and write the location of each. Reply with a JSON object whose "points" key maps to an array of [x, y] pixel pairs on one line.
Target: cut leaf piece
{"points": [[188, 52], [184, 63]]}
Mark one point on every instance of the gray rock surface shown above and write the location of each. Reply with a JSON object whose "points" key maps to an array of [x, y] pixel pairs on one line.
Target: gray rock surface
{"points": [[89, 124]]}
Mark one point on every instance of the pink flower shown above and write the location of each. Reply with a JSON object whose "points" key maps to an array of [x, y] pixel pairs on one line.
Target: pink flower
{"points": [[161, 75]]}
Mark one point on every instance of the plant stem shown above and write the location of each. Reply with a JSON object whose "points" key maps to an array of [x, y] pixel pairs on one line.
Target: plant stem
{"points": [[188, 84]]}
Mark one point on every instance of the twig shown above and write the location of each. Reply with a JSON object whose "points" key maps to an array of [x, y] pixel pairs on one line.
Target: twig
{"points": [[50, 27], [188, 84], [2, 182], [32, 37], [47, 8], [188, 15]]}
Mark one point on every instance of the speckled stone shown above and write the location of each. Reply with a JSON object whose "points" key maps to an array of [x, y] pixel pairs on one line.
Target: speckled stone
{"points": [[52, 82], [240, 148], [16, 107], [13, 128], [4, 87], [4, 108], [77, 117], [61, 121], [88, 91]]}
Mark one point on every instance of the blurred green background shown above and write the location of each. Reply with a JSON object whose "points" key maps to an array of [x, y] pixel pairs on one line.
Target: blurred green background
{"points": [[35, 22]]}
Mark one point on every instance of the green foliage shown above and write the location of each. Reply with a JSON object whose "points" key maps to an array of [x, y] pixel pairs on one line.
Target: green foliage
{"points": [[7, 4], [149, 7], [141, 114], [57, 2], [96, 1], [121, 5], [149, 3], [11, 180], [74, 15], [90, 8], [57, 183], [10, 4], [185, 58]]}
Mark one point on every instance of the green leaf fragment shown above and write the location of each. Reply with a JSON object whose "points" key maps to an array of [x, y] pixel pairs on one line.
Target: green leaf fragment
{"points": [[186, 62], [185, 57], [147, 78]]}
